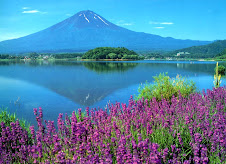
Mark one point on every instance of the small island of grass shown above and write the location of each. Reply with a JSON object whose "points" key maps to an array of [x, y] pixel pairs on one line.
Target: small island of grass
{"points": [[111, 53]]}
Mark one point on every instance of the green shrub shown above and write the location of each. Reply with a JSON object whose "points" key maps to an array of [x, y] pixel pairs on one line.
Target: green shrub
{"points": [[221, 70], [7, 118], [165, 87]]}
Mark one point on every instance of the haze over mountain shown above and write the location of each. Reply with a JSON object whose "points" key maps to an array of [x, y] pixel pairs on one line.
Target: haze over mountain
{"points": [[86, 30]]}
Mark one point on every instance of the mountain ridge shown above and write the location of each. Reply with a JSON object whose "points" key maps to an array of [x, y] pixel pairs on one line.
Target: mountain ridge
{"points": [[203, 51], [87, 30]]}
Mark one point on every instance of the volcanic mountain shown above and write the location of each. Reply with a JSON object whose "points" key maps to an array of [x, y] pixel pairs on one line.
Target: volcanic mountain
{"points": [[86, 30]]}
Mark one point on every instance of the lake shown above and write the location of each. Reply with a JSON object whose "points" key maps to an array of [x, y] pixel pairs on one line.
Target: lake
{"points": [[62, 87]]}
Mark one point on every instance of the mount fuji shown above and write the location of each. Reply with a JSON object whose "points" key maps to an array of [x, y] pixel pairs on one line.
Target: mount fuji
{"points": [[86, 30]]}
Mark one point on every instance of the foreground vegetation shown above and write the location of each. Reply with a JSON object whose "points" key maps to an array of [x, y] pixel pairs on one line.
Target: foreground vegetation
{"points": [[167, 123], [8, 118], [165, 87], [184, 130]]}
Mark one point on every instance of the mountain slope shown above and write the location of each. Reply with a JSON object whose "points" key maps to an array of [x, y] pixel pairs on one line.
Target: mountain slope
{"points": [[204, 51], [86, 30]]}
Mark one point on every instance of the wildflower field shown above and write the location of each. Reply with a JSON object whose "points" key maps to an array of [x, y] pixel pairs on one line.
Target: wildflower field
{"points": [[183, 130]]}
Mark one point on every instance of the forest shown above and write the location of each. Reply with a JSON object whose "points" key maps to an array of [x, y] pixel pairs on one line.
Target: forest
{"points": [[111, 53], [205, 51]]}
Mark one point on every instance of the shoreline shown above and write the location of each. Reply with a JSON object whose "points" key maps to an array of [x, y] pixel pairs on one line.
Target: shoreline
{"points": [[107, 60], [75, 59]]}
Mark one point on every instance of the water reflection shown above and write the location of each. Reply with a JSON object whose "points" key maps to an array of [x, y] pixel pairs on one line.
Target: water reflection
{"points": [[108, 67], [9, 62], [87, 83], [21, 97]]}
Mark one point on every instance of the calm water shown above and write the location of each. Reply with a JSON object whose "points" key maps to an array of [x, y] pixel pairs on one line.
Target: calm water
{"points": [[62, 87]]}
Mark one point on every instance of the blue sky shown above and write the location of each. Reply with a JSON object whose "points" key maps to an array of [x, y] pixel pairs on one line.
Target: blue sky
{"points": [[181, 19]]}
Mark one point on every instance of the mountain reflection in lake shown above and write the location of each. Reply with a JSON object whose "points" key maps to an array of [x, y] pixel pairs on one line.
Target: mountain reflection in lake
{"points": [[65, 86]]}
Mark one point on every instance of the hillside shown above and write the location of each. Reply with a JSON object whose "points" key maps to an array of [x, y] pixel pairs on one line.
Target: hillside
{"points": [[87, 30], [110, 53], [221, 56], [204, 51]]}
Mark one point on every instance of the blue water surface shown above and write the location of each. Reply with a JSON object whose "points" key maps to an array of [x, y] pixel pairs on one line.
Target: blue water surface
{"points": [[63, 87]]}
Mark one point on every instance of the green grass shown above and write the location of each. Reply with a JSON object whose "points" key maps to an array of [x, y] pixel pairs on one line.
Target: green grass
{"points": [[7, 118]]}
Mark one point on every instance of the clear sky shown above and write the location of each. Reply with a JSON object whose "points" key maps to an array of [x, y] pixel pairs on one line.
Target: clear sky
{"points": [[181, 19]]}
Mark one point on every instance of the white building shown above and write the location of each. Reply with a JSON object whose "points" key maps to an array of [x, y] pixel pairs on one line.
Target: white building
{"points": [[182, 53]]}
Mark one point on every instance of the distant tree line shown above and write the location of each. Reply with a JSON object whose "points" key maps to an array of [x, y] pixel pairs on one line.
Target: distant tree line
{"points": [[111, 53], [6, 56], [34, 55], [155, 55], [67, 55], [3, 56]]}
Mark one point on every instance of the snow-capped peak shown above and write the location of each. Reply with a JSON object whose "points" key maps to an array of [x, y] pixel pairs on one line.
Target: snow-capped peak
{"points": [[89, 18], [85, 20]]}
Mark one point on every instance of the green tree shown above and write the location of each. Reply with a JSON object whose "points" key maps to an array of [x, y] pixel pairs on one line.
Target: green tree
{"points": [[112, 55], [125, 56], [110, 52], [33, 55]]}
